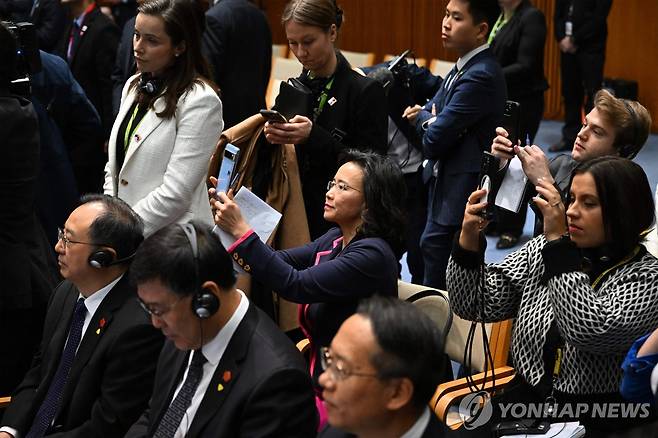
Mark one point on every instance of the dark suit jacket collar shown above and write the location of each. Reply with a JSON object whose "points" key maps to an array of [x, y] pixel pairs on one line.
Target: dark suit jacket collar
{"points": [[98, 325], [226, 374]]}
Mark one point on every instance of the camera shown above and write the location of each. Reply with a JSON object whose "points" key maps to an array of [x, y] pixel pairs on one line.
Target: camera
{"points": [[28, 60]]}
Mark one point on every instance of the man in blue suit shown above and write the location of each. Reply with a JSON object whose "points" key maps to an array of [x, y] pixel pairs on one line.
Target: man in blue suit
{"points": [[456, 126]]}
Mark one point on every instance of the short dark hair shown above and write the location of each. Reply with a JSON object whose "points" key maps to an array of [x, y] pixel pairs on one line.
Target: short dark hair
{"points": [[483, 11], [409, 345], [167, 256], [384, 191], [7, 55], [118, 227], [622, 186]]}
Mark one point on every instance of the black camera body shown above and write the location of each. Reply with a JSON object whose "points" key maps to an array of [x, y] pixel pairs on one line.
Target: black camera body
{"points": [[28, 60]]}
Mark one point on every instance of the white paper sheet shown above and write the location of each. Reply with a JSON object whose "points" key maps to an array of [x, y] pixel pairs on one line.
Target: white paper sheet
{"points": [[512, 189], [262, 218]]}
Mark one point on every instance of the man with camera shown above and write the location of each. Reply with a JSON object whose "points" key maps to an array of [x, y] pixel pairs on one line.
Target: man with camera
{"points": [[25, 277]]}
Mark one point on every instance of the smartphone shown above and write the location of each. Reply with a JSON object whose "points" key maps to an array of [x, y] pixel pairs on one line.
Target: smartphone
{"points": [[512, 121], [488, 169], [227, 168], [273, 116]]}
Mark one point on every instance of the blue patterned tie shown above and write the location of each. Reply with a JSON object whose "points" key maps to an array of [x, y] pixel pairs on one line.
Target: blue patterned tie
{"points": [[172, 418], [51, 402]]}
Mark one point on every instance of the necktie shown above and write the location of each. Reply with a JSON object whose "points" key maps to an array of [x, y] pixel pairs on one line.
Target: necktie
{"points": [[73, 40], [172, 418], [51, 402]]}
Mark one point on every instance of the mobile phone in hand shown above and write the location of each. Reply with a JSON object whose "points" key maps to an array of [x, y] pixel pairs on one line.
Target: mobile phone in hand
{"points": [[227, 167], [273, 116], [512, 121]]}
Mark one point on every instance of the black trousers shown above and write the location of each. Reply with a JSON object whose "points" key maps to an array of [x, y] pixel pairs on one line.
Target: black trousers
{"points": [[582, 76], [416, 207]]}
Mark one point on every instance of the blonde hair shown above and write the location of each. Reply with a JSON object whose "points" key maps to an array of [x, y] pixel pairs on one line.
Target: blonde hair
{"points": [[631, 120], [318, 13]]}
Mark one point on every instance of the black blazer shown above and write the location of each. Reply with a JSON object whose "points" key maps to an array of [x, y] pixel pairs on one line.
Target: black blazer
{"points": [[24, 269], [92, 62], [434, 429], [238, 45], [112, 373], [589, 18], [269, 393], [124, 64], [519, 48]]}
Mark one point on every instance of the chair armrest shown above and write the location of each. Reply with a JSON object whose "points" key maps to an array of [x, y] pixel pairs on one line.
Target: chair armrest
{"points": [[447, 394], [4, 402]]}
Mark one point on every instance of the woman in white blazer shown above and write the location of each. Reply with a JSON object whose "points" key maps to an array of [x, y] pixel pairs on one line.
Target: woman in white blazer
{"points": [[169, 120]]}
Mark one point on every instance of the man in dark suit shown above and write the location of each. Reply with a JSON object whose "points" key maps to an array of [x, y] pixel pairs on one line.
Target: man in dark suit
{"points": [[392, 382], [95, 367], [581, 32], [89, 45], [124, 65], [238, 44], [468, 108], [226, 369]]}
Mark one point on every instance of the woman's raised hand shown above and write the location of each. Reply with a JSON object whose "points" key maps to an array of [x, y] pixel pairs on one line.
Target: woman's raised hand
{"points": [[473, 223], [296, 131], [549, 201], [226, 212]]}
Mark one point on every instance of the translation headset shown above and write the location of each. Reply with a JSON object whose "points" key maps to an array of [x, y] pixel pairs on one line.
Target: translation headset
{"points": [[339, 15], [630, 150], [204, 303], [104, 258], [149, 85]]}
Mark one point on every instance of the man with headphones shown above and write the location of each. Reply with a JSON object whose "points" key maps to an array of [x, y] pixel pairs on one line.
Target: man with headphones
{"points": [[93, 372], [614, 127], [226, 369]]}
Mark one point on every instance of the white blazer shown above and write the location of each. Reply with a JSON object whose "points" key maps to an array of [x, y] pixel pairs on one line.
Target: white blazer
{"points": [[164, 170]]}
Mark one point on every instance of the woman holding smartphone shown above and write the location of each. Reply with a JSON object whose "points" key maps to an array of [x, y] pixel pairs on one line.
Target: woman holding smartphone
{"points": [[169, 120], [349, 110]]}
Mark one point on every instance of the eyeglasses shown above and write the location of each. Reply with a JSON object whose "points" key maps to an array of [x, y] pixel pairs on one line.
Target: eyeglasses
{"points": [[61, 235], [343, 187], [337, 368], [156, 310]]}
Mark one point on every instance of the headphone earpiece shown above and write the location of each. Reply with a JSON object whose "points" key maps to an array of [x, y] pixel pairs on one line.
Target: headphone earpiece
{"points": [[630, 150], [204, 303], [148, 84], [101, 258]]}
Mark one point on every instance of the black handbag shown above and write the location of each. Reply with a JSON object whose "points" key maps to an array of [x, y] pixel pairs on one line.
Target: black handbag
{"points": [[294, 98]]}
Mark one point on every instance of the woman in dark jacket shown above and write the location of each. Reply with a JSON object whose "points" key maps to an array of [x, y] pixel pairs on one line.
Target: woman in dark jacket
{"points": [[517, 40], [330, 275], [349, 110]]}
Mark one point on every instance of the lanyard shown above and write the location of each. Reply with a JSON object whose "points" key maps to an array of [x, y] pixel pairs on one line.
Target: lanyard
{"points": [[499, 25], [130, 129], [322, 99], [628, 258]]}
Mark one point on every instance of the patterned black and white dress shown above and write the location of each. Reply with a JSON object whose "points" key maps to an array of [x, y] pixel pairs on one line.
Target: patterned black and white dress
{"points": [[542, 282]]}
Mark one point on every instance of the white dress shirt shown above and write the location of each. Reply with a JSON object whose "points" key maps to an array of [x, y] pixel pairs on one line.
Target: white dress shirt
{"points": [[419, 426], [213, 352]]}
